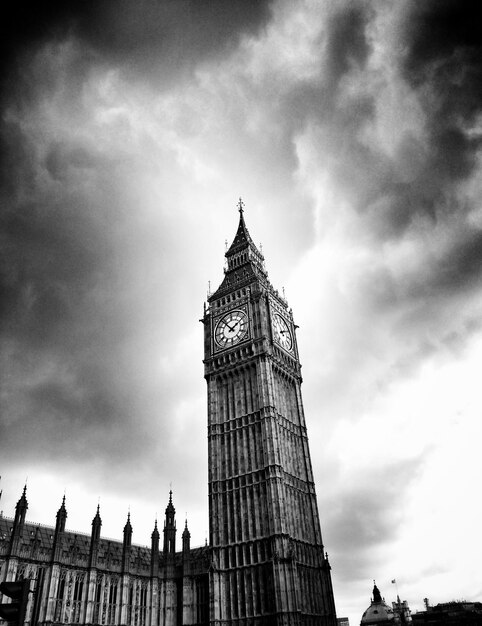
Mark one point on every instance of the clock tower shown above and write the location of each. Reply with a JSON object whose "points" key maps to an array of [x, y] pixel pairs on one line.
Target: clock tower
{"points": [[268, 562]]}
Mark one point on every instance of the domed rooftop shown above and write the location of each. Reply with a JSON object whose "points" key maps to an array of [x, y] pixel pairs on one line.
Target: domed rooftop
{"points": [[378, 612]]}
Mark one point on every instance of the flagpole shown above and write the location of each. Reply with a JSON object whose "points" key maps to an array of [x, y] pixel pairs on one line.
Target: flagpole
{"points": [[394, 581]]}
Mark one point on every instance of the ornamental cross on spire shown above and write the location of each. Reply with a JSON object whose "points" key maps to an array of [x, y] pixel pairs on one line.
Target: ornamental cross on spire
{"points": [[241, 205]]}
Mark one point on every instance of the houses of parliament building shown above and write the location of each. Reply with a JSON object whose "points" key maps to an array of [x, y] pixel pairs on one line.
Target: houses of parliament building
{"points": [[265, 563]]}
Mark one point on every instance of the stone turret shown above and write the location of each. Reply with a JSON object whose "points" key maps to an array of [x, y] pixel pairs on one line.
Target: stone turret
{"points": [[186, 543], [155, 551], [61, 518], [170, 530], [95, 538], [127, 544], [18, 522]]}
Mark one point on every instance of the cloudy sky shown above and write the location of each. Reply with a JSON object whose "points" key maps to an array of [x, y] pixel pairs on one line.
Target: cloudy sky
{"points": [[352, 130]]}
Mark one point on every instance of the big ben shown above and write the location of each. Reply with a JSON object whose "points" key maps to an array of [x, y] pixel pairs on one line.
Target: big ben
{"points": [[268, 565]]}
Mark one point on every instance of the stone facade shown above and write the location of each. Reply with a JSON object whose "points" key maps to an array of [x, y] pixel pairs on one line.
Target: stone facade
{"points": [[85, 579], [268, 561]]}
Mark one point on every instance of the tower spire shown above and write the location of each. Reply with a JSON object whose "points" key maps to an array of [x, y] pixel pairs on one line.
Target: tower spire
{"points": [[22, 506], [242, 239], [244, 260]]}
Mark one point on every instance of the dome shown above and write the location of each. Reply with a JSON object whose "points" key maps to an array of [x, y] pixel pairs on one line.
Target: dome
{"points": [[378, 612]]}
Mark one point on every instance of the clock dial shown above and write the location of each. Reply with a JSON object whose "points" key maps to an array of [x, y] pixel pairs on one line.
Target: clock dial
{"points": [[231, 328], [282, 333]]}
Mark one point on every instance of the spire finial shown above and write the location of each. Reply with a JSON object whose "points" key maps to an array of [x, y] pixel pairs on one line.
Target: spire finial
{"points": [[23, 497], [240, 206], [376, 593]]}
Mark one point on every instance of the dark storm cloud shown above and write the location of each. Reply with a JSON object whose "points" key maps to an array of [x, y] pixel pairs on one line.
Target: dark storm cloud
{"points": [[146, 37], [68, 309], [51, 251], [77, 416], [152, 43], [423, 180], [444, 41], [442, 61], [459, 270], [463, 263]]}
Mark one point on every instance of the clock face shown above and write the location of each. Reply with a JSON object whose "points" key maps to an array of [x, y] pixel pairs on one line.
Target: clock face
{"points": [[231, 328], [282, 333]]}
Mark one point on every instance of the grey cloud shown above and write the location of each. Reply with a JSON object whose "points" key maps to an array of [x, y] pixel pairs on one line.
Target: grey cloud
{"points": [[364, 516], [461, 267], [424, 180], [61, 158], [73, 281], [348, 45], [80, 416], [51, 257], [442, 63], [453, 269]]}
